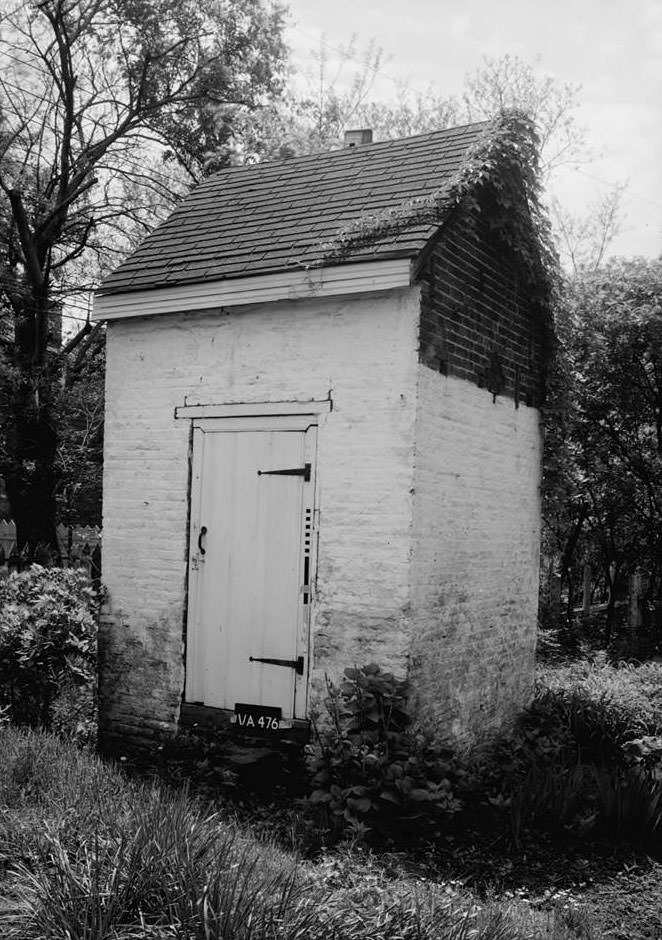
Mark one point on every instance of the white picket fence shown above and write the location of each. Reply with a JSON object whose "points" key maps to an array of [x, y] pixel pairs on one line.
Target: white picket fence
{"points": [[80, 547]]}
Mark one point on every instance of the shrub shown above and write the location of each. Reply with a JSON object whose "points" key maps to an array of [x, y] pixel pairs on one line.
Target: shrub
{"points": [[586, 755], [528, 778], [372, 776], [48, 649]]}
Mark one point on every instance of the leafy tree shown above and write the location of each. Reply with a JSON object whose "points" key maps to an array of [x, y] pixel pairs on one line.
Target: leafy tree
{"points": [[603, 466], [102, 102]]}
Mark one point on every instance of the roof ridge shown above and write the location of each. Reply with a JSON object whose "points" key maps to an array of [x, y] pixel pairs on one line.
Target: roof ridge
{"points": [[345, 151]]}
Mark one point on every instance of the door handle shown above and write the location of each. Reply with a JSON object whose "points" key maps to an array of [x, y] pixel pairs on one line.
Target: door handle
{"points": [[203, 532]]}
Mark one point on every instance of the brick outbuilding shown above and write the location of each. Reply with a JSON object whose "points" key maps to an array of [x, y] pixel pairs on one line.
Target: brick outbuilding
{"points": [[322, 443]]}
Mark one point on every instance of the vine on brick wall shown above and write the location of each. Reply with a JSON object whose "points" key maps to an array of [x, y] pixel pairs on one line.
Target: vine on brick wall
{"points": [[502, 163]]}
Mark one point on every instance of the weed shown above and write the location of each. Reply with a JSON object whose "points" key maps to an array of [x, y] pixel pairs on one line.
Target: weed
{"points": [[630, 806], [551, 798], [372, 777]]}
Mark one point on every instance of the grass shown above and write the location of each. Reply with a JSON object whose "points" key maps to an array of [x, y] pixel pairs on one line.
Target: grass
{"points": [[87, 854], [630, 695]]}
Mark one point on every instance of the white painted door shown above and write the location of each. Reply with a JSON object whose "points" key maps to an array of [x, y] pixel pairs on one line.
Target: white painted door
{"points": [[250, 563]]}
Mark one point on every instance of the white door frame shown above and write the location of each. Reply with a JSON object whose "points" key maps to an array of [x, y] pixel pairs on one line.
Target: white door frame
{"points": [[219, 418]]}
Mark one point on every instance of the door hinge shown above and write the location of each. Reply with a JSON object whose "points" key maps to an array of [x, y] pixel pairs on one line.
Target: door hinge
{"points": [[295, 472], [296, 664]]}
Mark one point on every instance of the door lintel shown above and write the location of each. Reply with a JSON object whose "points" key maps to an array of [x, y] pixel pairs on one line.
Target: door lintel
{"points": [[255, 409]]}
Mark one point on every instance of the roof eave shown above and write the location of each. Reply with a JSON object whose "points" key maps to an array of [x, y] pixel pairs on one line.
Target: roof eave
{"points": [[360, 277]]}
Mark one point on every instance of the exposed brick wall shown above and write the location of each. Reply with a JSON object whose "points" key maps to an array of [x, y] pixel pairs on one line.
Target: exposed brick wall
{"points": [[362, 351], [478, 321]]}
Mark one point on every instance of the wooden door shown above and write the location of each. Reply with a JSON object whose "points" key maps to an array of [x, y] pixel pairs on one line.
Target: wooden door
{"points": [[250, 563]]}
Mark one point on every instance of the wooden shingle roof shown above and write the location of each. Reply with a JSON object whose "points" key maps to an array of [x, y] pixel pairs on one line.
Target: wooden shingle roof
{"points": [[273, 217]]}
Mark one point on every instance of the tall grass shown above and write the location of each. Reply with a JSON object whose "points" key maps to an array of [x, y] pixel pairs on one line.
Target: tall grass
{"points": [[624, 701], [86, 854]]}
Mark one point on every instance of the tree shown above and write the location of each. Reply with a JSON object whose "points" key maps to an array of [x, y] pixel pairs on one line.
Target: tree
{"points": [[603, 463], [583, 241], [336, 100], [313, 119], [510, 82], [101, 101], [79, 409], [340, 96]]}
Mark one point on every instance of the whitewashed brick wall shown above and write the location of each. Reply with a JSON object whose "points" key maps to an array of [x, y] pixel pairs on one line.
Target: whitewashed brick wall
{"points": [[475, 555], [428, 551], [362, 352]]}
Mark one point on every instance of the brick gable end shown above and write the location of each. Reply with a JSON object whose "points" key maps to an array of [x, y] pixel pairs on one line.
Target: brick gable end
{"points": [[478, 320]]}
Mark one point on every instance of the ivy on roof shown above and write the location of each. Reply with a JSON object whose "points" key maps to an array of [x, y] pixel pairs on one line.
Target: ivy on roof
{"points": [[502, 162]]}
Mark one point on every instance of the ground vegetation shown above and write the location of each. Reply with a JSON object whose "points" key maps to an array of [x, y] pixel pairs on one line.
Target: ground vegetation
{"points": [[552, 829]]}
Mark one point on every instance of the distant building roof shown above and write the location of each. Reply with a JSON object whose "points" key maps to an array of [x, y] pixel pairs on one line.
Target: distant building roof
{"points": [[272, 217]]}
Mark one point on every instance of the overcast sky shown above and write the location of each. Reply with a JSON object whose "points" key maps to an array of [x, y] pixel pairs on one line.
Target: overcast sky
{"points": [[612, 48]]}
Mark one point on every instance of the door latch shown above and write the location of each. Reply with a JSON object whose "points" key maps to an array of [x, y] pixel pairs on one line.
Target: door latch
{"points": [[296, 664]]}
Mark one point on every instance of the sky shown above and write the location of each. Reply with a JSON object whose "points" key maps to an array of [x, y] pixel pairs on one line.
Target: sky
{"points": [[612, 49]]}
